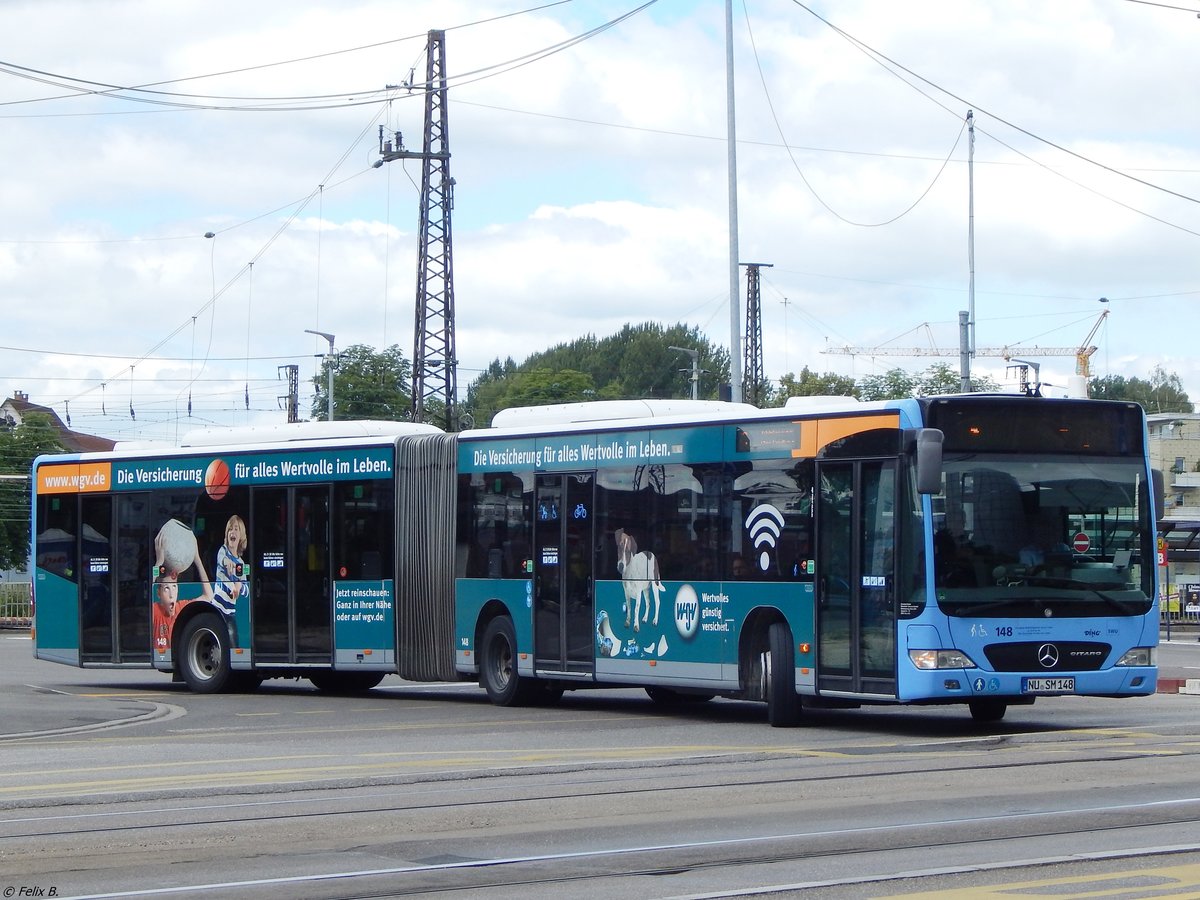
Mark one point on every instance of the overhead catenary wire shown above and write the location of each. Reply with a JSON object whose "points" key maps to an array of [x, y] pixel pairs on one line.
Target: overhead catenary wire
{"points": [[81, 87], [799, 171], [320, 190], [978, 108], [210, 305], [274, 237]]}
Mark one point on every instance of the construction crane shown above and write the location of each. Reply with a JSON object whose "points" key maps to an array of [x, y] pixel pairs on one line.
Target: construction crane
{"points": [[1082, 353], [987, 352]]}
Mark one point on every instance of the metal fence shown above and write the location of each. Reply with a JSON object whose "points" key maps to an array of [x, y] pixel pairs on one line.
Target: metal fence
{"points": [[15, 604], [1181, 607]]}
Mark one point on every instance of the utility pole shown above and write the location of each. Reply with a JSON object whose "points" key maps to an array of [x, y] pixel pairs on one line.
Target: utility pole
{"points": [[753, 368], [695, 379], [966, 375], [735, 354], [964, 351], [331, 360], [435, 364]]}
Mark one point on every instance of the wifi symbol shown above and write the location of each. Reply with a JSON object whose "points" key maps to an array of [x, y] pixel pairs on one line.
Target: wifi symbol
{"points": [[764, 525]]}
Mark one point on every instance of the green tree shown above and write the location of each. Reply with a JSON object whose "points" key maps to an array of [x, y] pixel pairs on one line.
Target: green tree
{"points": [[637, 362], [939, 378], [486, 394], [1163, 392], [893, 384], [545, 386], [942, 378], [809, 384], [367, 384], [19, 447]]}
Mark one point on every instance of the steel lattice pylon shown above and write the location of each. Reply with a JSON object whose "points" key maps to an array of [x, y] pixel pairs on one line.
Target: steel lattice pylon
{"points": [[753, 380], [435, 364]]}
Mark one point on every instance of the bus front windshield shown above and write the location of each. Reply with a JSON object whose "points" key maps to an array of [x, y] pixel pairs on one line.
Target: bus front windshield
{"points": [[1043, 536]]}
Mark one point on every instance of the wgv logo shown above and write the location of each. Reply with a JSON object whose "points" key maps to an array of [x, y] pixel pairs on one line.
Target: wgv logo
{"points": [[687, 611]]}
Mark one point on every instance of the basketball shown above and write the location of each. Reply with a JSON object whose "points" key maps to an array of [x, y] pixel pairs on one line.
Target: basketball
{"points": [[216, 479], [176, 546]]}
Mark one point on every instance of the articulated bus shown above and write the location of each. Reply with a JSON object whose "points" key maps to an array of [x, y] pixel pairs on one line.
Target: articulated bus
{"points": [[984, 550]]}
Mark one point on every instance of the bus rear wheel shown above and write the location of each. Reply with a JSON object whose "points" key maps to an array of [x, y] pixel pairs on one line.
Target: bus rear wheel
{"points": [[667, 697], [498, 666], [245, 682], [204, 655], [779, 675], [345, 682]]}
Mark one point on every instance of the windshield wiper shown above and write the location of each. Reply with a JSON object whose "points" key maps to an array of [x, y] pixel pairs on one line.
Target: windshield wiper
{"points": [[1115, 602], [962, 607]]}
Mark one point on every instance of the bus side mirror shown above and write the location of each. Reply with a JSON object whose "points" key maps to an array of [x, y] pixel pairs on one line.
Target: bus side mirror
{"points": [[929, 460], [1160, 502]]}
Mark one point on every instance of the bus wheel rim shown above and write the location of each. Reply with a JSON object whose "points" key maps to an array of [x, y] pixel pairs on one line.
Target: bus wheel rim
{"points": [[204, 649]]}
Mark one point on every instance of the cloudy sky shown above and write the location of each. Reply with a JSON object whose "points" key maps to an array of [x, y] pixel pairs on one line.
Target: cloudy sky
{"points": [[591, 186]]}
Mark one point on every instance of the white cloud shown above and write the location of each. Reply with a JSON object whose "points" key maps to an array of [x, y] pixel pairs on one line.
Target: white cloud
{"points": [[590, 188]]}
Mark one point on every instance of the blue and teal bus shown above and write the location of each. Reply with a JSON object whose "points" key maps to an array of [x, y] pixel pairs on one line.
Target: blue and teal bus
{"points": [[984, 550]]}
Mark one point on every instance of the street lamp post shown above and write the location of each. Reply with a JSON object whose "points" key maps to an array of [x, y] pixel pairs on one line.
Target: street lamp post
{"points": [[695, 379], [328, 337]]}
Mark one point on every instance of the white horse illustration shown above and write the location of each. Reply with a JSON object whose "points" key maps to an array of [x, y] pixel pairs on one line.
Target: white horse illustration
{"points": [[639, 572]]}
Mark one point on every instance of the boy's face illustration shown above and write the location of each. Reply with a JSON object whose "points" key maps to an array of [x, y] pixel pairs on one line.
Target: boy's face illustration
{"points": [[168, 593]]}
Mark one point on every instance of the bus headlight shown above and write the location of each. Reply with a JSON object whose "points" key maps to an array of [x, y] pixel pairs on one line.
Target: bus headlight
{"points": [[1139, 656], [940, 659]]}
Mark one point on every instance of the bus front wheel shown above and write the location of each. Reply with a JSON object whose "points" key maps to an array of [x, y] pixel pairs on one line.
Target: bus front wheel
{"points": [[987, 710], [498, 665], [779, 673], [204, 655]]}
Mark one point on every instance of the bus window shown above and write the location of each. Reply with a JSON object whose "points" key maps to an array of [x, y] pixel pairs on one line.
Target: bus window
{"points": [[671, 511], [57, 518], [772, 520], [493, 526], [363, 516]]}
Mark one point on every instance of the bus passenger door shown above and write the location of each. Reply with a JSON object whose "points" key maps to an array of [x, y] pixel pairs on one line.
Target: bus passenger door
{"points": [[99, 622], [313, 589], [114, 600], [856, 583], [269, 619], [291, 600], [562, 573], [131, 569]]}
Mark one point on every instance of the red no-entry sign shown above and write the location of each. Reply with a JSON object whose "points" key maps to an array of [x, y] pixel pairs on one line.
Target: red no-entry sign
{"points": [[1081, 542]]}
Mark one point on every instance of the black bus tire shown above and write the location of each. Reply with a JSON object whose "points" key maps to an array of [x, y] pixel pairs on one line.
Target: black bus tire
{"points": [[549, 694], [498, 665], [668, 697], [246, 682], [331, 682], [204, 655], [783, 703], [987, 710]]}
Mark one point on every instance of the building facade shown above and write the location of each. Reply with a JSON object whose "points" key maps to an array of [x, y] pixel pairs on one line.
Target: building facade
{"points": [[13, 413], [1174, 443]]}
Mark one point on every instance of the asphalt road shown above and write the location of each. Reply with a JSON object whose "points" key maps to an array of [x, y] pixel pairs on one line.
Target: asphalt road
{"points": [[142, 789], [34, 706]]}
